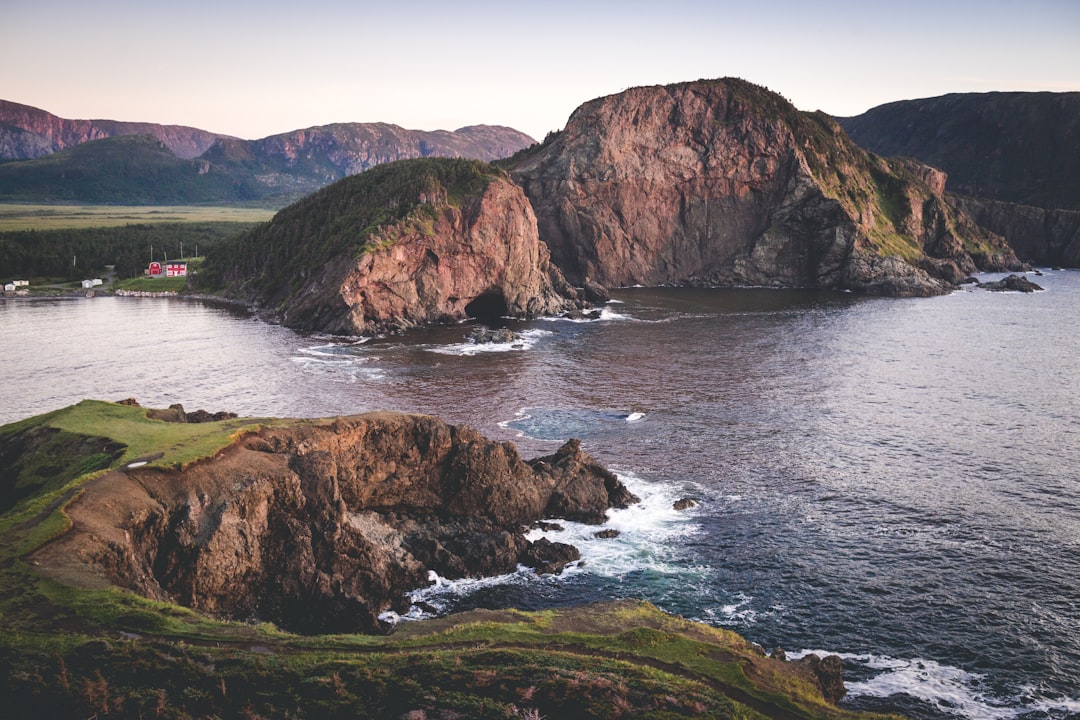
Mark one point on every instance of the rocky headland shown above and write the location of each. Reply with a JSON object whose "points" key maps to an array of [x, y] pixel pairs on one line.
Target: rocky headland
{"points": [[401, 245], [722, 182], [321, 526], [128, 555]]}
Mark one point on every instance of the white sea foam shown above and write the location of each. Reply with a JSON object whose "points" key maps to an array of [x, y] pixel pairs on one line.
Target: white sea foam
{"points": [[338, 360], [646, 531], [524, 341], [439, 596], [948, 689], [635, 417]]}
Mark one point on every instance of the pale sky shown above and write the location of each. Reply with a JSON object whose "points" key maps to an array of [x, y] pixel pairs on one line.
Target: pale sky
{"points": [[253, 69]]}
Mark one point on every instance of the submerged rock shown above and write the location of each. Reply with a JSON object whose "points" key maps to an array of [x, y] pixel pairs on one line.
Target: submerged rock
{"points": [[1013, 283], [483, 335]]}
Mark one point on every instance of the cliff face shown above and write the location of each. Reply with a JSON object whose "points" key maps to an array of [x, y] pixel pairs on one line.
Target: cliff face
{"points": [[1021, 147], [402, 245], [27, 133], [724, 183], [1038, 235], [321, 526]]}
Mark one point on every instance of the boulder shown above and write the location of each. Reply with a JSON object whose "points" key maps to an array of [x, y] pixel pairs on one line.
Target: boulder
{"points": [[1012, 283]]}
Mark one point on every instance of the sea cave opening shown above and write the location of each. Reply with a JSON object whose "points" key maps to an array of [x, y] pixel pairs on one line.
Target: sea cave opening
{"points": [[488, 306]]}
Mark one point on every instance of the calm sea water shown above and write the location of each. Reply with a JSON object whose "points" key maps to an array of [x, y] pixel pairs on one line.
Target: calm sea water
{"points": [[897, 481]]}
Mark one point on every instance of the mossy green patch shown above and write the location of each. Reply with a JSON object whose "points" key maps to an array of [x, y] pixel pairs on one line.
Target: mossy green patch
{"points": [[75, 651]]}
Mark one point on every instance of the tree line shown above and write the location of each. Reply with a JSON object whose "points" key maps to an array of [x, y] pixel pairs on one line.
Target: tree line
{"points": [[74, 254]]}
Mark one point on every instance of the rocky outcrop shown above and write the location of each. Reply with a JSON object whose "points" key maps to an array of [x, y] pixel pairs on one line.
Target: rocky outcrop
{"points": [[27, 132], [402, 245], [320, 526], [1037, 235], [1012, 283], [725, 183], [1021, 147]]}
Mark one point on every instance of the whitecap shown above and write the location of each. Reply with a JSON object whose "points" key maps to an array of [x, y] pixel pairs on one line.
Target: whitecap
{"points": [[950, 690], [646, 531], [525, 340], [557, 424]]}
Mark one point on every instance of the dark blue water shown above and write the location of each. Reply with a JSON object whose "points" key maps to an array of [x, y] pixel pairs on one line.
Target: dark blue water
{"points": [[897, 481]]}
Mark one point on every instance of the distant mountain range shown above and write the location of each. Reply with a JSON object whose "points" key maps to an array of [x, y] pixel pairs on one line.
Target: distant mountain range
{"points": [[45, 158]]}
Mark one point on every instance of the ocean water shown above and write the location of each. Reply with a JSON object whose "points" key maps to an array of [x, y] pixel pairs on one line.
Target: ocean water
{"points": [[893, 480]]}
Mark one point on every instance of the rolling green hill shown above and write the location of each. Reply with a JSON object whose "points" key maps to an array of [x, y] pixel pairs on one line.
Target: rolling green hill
{"points": [[132, 169]]}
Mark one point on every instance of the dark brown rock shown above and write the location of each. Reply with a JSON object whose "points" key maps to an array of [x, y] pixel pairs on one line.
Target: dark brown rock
{"points": [[684, 504], [548, 557], [1012, 283], [320, 526], [576, 495], [829, 673]]}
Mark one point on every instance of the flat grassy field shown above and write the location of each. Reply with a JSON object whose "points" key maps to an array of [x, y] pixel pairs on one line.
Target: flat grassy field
{"points": [[62, 217]]}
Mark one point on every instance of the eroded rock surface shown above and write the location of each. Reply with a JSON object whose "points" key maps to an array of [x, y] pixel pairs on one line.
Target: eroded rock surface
{"points": [[321, 526], [725, 183]]}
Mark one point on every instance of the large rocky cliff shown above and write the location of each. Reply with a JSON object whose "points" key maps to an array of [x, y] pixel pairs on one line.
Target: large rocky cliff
{"points": [[320, 526], [725, 183], [402, 245], [1038, 235]]}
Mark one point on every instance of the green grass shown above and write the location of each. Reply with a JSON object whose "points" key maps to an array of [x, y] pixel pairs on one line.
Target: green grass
{"points": [[18, 216], [151, 284], [73, 652]]}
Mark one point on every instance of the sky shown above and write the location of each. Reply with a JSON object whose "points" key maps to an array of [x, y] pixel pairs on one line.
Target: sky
{"points": [[253, 69]]}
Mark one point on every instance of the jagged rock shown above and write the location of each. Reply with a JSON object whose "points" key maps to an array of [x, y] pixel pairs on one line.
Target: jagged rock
{"points": [[320, 526], [595, 292], [684, 504], [829, 673], [1014, 283], [608, 534], [576, 496], [175, 413], [482, 335], [549, 558], [582, 314], [778, 654]]}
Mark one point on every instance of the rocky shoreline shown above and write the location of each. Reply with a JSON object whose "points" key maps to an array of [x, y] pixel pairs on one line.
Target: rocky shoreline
{"points": [[321, 526]]}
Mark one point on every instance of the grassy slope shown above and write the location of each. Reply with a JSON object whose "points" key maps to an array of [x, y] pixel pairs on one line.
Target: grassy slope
{"points": [[75, 652], [338, 223]]}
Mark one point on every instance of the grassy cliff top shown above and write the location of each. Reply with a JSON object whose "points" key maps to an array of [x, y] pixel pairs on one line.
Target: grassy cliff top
{"points": [[73, 652], [338, 222]]}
